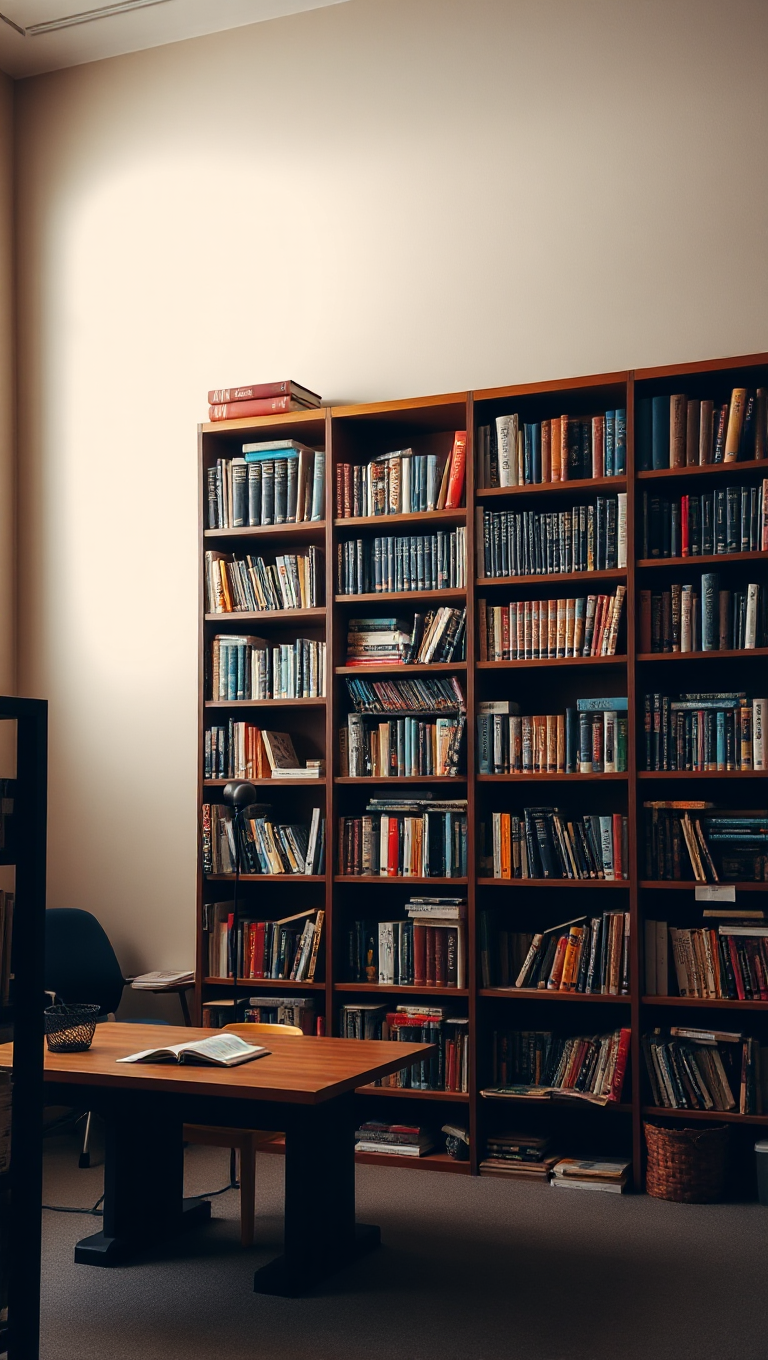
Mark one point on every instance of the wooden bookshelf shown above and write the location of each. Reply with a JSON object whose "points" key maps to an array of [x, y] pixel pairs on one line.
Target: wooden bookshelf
{"points": [[356, 434]]}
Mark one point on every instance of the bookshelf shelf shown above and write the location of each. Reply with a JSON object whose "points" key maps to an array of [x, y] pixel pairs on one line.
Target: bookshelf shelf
{"points": [[405, 1092], [562, 1102], [565, 488], [713, 1116], [267, 878], [705, 1003], [432, 1161], [354, 435], [536, 664], [383, 781]]}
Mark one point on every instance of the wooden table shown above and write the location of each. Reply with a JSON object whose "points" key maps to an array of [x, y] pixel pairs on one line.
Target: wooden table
{"points": [[305, 1087]]}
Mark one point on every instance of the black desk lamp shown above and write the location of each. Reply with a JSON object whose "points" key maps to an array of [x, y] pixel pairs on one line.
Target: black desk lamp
{"points": [[238, 795]]}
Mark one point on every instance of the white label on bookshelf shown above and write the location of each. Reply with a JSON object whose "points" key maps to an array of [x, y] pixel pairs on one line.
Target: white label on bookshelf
{"points": [[716, 894]]}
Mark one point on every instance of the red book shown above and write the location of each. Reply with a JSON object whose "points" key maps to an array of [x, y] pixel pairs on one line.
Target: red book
{"points": [[339, 490], [440, 956], [320, 1026], [450, 1077], [419, 955], [456, 475], [617, 864], [393, 848], [736, 966], [620, 1069], [258, 391], [430, 965], [266, 406], [684, 543]]}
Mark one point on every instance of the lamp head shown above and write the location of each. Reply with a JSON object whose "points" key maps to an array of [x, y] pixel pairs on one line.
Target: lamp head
{"points": [[238, 794]]}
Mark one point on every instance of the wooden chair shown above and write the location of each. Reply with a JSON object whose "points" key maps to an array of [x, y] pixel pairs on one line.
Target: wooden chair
{"points": [[245, 1142]]}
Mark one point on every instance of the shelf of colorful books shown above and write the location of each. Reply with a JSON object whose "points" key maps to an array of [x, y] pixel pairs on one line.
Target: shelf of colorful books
{"points": [[431, 668], [703, 559], [553, 578], [552, 882], [552, 778], [399, 596], [381, 522], [265, 703], [553, 488], [706, 470], [536, 662], [392, 878], [714, 1116], [701, 774], [265, 783], [385, 780], [409, 1094], [685, 885], [742, 654], [265, 615], [282, 421], [549, 994], [391, 990], [280, 984], [307, 529], [266, 878], [704, 1003], [431, 1161]]}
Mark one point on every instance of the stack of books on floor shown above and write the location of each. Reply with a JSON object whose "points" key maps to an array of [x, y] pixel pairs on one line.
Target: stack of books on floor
{"points": [[542, 843], [400, 747], [402, 482], [588, 956], [513, 452], [729, 519], [588, 739], [539, 630], [406, 837], [399, 563], [698, 1069], [266, 846], [540, 1064], [710, 730], [608, 1174], [680, 431], [427, 950], [725, 962], [708, 619], [393, 1140], [260, 399], [242, 751], [438, 636], [418, 695], [520, 1156], [545, 542], [729, 845], [251, 585], [277, 481]]}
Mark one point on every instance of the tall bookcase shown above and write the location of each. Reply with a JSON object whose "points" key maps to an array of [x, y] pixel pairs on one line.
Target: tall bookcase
{"points": [[356, 434]]}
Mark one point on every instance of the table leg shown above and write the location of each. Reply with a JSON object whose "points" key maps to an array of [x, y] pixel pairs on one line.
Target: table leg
{"points": [[321, 1235], [143, 1183]]}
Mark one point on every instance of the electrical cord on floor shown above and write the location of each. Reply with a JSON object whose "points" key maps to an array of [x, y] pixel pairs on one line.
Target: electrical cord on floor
{"points": [[98, 1213]]}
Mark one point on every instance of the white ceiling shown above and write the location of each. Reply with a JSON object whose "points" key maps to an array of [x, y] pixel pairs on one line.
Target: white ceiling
{"points": [[110, 35]]}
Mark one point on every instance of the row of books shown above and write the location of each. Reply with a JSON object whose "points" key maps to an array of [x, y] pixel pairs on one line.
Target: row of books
{"points": [[543, 543], [705, 731], [429, 949], [695, 1069], [415, 695], [588, 739], [266, 846], [538, 630], [400, 747], [6, 945], [406, 838], [542, 1063], [724, 962], [445, 1070], [511, 452], [271, 1010], [402, 482], [235, 585], [708, 619], [276, 482], [242, 751], [730, 519], [434, 637], [249, 667], [680, 431], [723, 846], [260, 399], [402, 562], [542, 843], [583, 955], [285, 948]]}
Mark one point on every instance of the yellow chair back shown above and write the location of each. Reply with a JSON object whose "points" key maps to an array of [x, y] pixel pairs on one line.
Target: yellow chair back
{"points": [[257, 1027]]}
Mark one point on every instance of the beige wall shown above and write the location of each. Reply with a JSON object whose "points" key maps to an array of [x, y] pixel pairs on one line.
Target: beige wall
{"points": [[7, 438], [384, 198]]}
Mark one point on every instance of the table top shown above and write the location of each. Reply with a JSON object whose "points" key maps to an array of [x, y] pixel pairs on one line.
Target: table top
{"points": [[304, 1070]]}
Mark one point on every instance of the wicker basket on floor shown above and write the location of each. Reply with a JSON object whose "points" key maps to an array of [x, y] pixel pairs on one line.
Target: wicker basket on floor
{"points": [[686, 1165]]}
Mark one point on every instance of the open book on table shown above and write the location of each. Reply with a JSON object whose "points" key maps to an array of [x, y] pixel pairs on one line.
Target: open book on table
{"points": [[223, 1050]]}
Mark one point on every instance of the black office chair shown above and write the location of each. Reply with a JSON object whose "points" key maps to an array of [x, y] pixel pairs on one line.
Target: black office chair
{"points": [[81, 967]]}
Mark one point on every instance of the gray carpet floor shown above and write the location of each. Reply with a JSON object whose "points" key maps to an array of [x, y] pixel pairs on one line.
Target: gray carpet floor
{"points": [[470, 1269]]}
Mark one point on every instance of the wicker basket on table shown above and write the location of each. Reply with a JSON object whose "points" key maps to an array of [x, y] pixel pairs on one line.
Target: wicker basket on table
{"points": [[686, 1165]]}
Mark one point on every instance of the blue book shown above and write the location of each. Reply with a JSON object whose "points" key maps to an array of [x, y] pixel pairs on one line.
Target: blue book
{"points": [[610, 443], [484, 745], [620, 444], [660, 432], [269, 455], [527, 455], [720, 756], [643, 435], [231, 657], [620, 705], [710, 611], [536, 452]]}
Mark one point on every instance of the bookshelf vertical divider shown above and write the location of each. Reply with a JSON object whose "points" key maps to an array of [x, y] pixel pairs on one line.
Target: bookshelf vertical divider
{"points": [[356, 434]]}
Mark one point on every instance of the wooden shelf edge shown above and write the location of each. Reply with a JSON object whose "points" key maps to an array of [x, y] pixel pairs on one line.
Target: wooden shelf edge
{"points": [[454, 516], [578, 484], [401, 879], [409, 1094], [553, 883], [702, 559], [429, 668], [553, 578], [705, 1003], [387, 989], [253, 984], [447, 594], [288, 529], [705, 470], [742, 654], [716, 1116], [266, 615], [532, 662], [543, 994]]}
